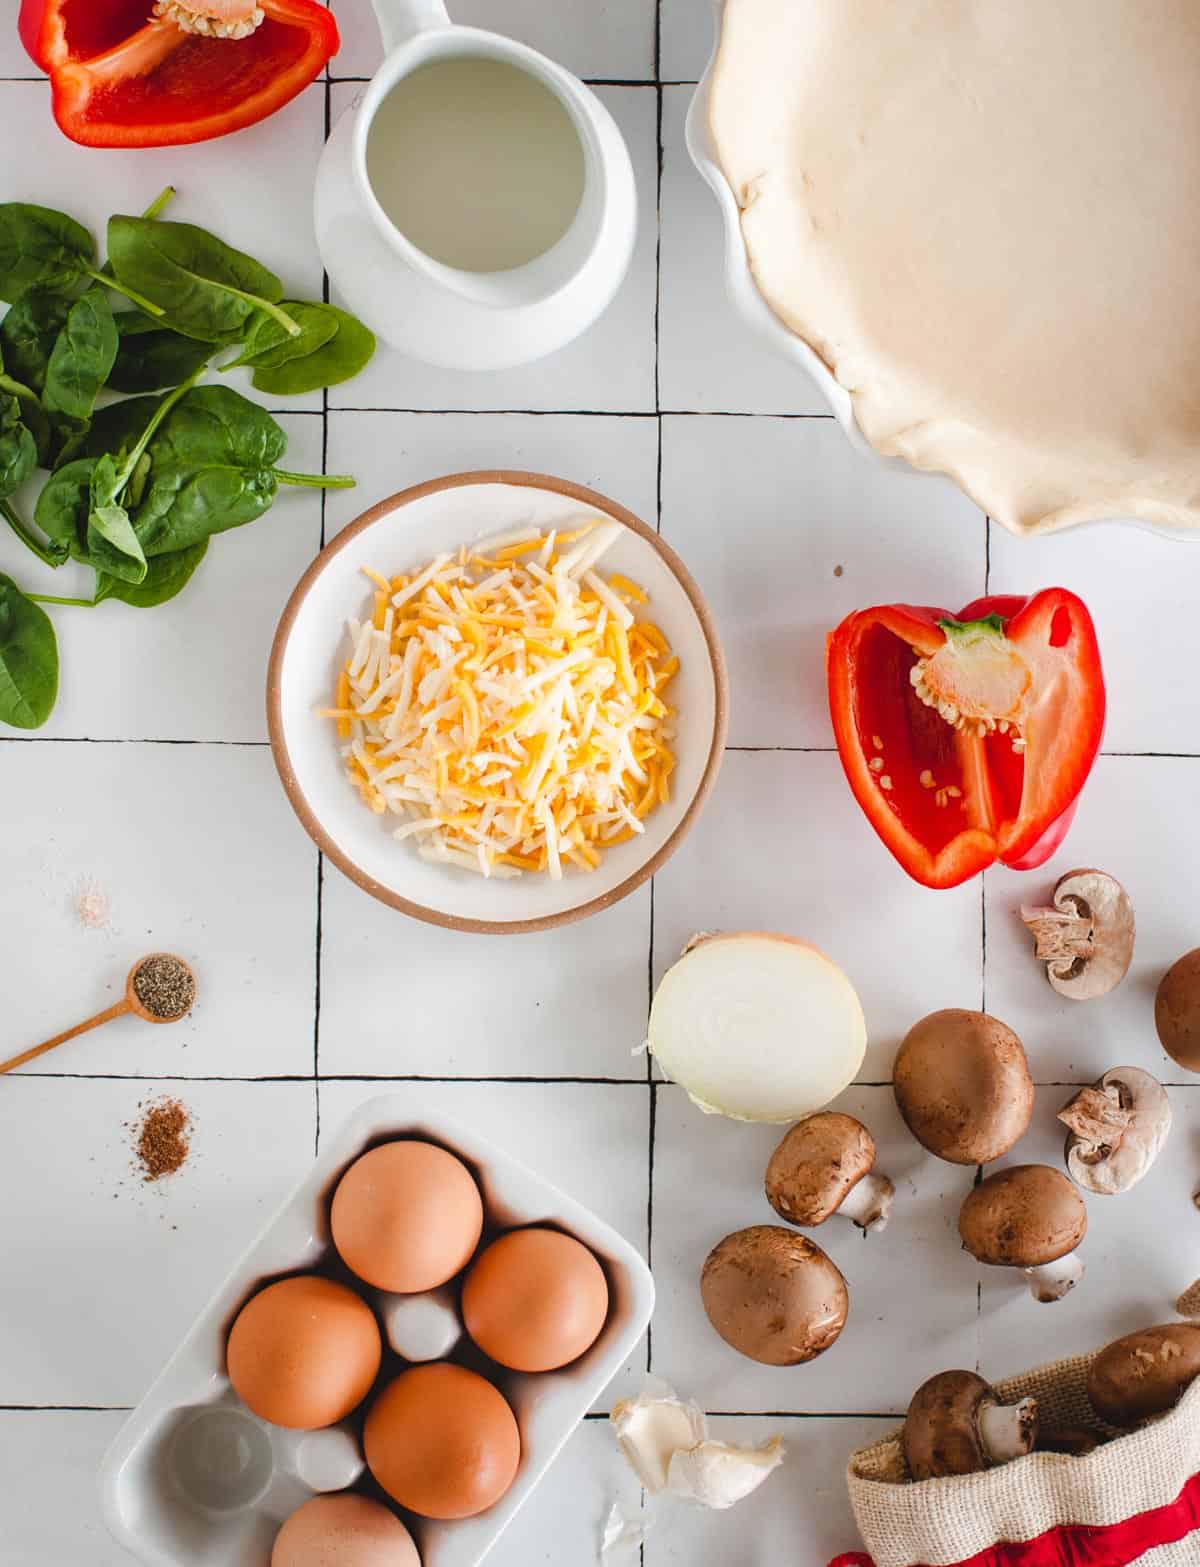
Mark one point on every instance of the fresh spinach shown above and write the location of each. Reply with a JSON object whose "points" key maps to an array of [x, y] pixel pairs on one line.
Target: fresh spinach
{"points": [[28, 333], [166, 575], [112, 545], [62, 507], [18, 450], [44, 249], [28, 660], [339, 358], [204, 288], [151, 357], [270, 345], [82, 357]]}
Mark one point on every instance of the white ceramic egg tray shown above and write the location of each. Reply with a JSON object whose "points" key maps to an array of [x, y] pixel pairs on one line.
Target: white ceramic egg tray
{"points": [[168, 1453]]}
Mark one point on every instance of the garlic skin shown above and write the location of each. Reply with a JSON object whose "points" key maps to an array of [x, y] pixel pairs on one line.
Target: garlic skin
{"points": [[665, 1439]]}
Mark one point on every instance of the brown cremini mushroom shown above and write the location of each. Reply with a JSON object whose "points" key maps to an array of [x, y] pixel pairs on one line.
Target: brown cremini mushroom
{"points": [[1072, 1441], [1177, 1011], [825, 1165], [957, 1425], [1086, 938], [1117, 1128], [962, 1083], [1029, 1217], [1144, 1374], [773, 1295], [1188, 1304]]}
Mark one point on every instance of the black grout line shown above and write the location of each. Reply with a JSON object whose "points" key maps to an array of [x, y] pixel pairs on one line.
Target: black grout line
{"points": [[983, 941], [567, 413], [987, 556], [337, 1077], [654, 81], [65, 1409]]}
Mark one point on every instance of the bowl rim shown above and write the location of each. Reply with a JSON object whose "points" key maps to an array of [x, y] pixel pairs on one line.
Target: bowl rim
{"points": [[522, 479]]}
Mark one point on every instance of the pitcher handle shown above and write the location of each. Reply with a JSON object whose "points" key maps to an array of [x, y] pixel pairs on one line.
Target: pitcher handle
{"points": [[400, 20]]}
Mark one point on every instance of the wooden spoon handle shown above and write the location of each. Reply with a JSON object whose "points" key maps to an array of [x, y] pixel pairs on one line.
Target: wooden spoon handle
{"points": [[118, 1010]]}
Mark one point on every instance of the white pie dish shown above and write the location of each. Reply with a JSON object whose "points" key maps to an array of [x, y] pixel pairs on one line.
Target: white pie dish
{"points": [[142, 1505], [750, 303], [402, 533]]}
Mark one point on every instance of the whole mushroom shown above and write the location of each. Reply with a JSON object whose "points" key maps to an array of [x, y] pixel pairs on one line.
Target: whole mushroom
{"points": [[962, 1083], [1177, 1011], [1117, 1128], [1029, 1217], [957, 1425], [1085, 938], [773, 1295], [1145, 1373], [825, 1165]]}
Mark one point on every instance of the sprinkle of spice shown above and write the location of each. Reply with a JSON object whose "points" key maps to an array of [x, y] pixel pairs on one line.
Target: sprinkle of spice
{"points": [[165, 986], [162, 1139], [91, 905]]}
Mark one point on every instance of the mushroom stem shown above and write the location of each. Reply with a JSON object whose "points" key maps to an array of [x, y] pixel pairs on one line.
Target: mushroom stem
{"points": [[1052, 1280], [869, 1203], [1008, 1431], [1059, 933]]}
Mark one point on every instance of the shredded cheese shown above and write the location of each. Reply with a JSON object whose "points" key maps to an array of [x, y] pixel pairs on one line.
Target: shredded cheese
{"points": [[508, 705]]}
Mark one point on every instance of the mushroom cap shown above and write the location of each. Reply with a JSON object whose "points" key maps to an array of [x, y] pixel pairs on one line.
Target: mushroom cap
{"points": [[817, 1165], [1117, 1160], [941, 1430], [1096, 896], [1145, 1373], [773, 1295], [1177, 1011], [962, 1083], [1022, 1217]]}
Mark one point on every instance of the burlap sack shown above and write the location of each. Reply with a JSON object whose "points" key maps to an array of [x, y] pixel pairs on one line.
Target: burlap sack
{"points": [[943, 1523]]}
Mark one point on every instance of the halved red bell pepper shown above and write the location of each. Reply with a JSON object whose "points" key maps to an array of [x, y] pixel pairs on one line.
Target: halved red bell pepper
{"points": [[967, 738], [123, 78]]}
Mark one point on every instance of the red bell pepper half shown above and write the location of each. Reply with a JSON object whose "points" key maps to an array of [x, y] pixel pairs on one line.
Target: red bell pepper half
{"points": [[121, 77], [966, 739]]}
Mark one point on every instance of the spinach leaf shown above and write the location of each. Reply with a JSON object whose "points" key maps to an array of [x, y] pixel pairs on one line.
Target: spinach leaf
{"points": [[28, 333], [151, 356], [112, 545], [115, 428], [48, 552], [204, 288], [18, 451], [270, 345], [82, 356], [166, 575], [44, 249], [28, 660], [62, 507], [341, 356]]}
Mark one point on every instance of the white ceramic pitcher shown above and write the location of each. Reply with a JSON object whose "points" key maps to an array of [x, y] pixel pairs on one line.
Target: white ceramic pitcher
{"points": [[436, 313]]}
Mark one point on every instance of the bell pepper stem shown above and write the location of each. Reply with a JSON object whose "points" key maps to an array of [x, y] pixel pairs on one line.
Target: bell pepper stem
{"points": [[316, 481], [22, 531]]}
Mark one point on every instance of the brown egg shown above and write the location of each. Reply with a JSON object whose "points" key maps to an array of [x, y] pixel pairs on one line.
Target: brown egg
{"points": [[344, 1531], [442, 1442], [535, 1300], [407, 1216], [304, 1352]]}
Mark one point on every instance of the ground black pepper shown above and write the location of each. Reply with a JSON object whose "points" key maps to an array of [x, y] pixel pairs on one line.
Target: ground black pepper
{"points": [[165, 986], [162, 1138]]}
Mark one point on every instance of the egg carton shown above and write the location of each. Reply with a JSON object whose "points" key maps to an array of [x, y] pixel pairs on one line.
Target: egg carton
{"points": [[195, 1480]]}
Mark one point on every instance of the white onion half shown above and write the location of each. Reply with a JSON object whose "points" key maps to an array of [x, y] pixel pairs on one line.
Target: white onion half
{"points": [[757, 1027]]}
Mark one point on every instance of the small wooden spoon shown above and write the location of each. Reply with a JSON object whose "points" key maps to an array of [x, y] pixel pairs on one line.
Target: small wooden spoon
{"points": [[129, 1002]]}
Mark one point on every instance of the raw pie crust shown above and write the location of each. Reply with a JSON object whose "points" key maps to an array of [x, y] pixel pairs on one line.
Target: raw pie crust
{"points": [[984, 215]]}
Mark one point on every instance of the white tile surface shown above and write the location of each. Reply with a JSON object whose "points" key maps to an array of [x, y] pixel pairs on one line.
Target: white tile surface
{"points": [[737, 492], [911, 1289], [191, 670], [387, 452], [573, 1002], [687, 38], [113, 1270], [803, 1501], [1152, 697], [1137, 1253], [1129, 824], [606, 38], [48, 1498], [542, 1124], [609, 368], [708, 361], [821, 864], [195, 854]]}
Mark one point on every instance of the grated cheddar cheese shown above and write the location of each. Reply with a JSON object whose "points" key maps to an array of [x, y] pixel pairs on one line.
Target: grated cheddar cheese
{"points": [[507, 703]]}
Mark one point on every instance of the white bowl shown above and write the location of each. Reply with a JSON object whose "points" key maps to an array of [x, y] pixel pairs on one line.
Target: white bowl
{"points": [[750, 304], [404, 532], [142, 1503]]}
